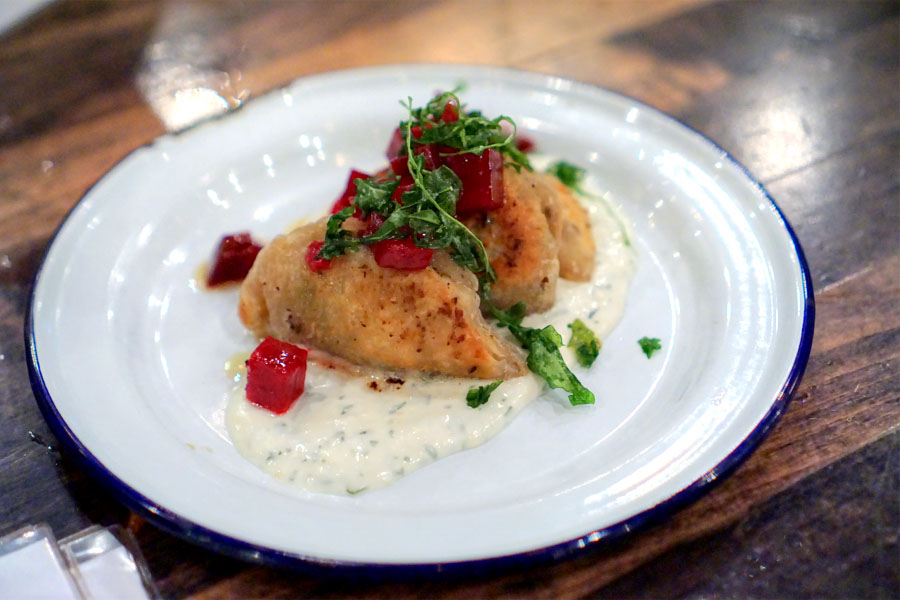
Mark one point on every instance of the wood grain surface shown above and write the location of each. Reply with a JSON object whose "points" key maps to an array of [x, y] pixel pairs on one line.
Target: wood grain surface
{"points": [[805, 94]]}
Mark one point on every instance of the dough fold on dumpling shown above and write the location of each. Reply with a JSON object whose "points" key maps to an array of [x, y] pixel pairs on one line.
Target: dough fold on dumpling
{"points": [[569, 224], [540, 233]]}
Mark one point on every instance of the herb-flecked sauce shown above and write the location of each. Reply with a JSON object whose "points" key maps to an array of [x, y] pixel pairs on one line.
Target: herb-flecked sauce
{"points": [[347, 434]]}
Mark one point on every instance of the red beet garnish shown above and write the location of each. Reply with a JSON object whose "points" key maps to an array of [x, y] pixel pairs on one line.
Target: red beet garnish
{"points": [[431, 153], [276, 375], [373, 223], [233, 259], [524, 144], [315, 264], [401, 254], [451, 112], [397, 196], [346, 198], [482, 180]]}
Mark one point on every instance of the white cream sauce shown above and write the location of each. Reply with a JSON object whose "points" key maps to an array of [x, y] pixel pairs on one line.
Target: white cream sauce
{"points": [[344, 436]]}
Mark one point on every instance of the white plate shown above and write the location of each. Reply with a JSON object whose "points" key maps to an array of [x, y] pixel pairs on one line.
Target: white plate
{"points": [[127, 353]]}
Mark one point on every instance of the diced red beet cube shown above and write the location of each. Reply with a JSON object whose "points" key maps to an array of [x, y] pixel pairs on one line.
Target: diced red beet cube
{"points": [[401, 254], [315, 264], [400, 164], [432, 156], [451, 112], [482, 180], [524, 143], [346, 198], [403, 186], [373, 223], [233, 259], [397, 142], [276, 375]]}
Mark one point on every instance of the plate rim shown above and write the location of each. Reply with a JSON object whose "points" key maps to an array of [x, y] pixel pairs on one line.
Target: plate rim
{"points": [[204, 537]]}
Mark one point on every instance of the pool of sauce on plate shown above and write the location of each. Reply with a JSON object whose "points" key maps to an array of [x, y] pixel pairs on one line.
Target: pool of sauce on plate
{"points": [[347, 434]]}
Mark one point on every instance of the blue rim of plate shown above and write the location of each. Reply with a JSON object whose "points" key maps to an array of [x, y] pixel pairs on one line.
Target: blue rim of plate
{"points": [[185, 528]]}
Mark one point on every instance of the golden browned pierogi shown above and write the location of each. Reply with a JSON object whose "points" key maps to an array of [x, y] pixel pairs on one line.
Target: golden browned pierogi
{"points": [[428, 320]]}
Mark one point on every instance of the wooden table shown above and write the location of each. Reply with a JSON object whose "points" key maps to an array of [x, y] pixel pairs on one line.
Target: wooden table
{"points": [[804, 94]]}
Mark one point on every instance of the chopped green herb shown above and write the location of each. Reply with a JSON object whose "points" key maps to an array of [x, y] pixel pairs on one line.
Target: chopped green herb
{"points": [[649, 345], [545, 361], [543, 358], [569, 174], [476, 396], [584, 342], [374, 196], [337, 239], [472, 132], [428, 209]]}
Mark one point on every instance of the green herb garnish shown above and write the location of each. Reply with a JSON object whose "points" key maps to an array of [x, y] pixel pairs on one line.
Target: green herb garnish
{"points": [[337, 239], [476, 396], [472, 132], [428, 210], [434, 199], [584, 342], [543, 358], [569, 174], [649, 345]]}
